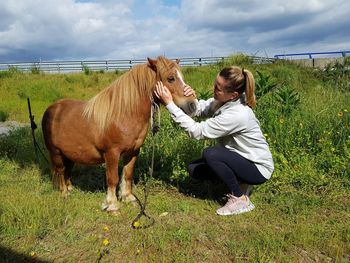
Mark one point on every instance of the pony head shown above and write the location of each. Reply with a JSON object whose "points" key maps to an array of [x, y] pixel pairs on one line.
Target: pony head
{"points": [[169, 73]]}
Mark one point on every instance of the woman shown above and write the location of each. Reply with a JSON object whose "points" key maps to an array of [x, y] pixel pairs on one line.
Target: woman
{"points": [[242, 154]]}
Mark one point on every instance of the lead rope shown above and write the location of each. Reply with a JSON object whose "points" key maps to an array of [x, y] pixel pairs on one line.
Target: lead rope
{"points": [[33, 126], [155, 128]]}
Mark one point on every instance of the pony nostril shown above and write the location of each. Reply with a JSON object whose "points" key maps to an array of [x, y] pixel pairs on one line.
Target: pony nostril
{"points": [[193, 107]]}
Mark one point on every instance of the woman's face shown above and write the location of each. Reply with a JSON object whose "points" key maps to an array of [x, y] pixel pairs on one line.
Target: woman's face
{"points": [[220, 93]]}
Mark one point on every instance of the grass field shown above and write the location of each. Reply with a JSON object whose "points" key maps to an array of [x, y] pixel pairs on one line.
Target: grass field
{"points": [[302, 214]]}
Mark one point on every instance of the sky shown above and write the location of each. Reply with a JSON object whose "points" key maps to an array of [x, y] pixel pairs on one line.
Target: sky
{"points": [[45, 30]]}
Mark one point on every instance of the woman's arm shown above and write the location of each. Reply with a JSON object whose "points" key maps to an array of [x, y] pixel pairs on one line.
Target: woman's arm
{"points": [[206, 107], [212, 128]]}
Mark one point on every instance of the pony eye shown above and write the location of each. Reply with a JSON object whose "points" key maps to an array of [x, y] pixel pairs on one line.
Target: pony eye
{"points": [[171, 79]]}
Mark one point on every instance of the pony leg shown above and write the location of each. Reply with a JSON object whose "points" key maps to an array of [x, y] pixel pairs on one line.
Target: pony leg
{"points": [[67, 175], [111, 203], [125, 186], [59, 170]]}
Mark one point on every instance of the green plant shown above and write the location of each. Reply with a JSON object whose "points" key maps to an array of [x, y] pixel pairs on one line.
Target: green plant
{"points": [[35, 69], [239, 60], [263, 84], [10, 72], [3, 116], [337, 74], [86, 69], [287, 98], [204, 95]]}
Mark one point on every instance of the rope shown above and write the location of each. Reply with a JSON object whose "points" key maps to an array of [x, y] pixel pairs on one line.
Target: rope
{"points": [[33, 126], [155, 128]]}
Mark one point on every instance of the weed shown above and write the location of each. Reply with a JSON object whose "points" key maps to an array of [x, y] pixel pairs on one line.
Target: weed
{"points": [[204, 95], [337, 74], [3, 116], [35, 69], [10, 72], [287, 98], [86, 69], [239, 60], [263, 84]]}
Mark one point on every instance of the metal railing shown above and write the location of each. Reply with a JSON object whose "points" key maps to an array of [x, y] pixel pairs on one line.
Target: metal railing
{"points": [[110, 65], [311, 54]]}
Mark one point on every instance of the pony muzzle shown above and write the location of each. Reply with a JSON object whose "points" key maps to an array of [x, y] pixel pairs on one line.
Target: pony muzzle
{"points": [[190, 107]]}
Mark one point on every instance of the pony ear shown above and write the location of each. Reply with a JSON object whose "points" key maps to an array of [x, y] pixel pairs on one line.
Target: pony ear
{"points": [[152, 63], [177, 61]]}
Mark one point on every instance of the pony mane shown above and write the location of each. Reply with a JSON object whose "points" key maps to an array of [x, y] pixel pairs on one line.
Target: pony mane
{"points": [[120, 99]]}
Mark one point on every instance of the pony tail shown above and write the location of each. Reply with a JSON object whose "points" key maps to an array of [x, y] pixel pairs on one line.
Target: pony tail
{"points": [[249, 88]]}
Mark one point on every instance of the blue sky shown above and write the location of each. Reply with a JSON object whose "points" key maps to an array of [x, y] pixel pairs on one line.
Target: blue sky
{"points": [[32, 30]]}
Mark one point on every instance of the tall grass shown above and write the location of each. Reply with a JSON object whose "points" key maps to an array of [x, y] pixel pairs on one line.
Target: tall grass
{"points": [[301, 214]]}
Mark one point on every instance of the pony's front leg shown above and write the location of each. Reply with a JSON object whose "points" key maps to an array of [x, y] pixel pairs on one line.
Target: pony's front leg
{"points": [[125, 186], [111, 203]]}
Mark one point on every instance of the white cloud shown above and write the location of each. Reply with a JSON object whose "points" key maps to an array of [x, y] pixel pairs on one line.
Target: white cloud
{"points": [[68, 29], [62, 29]]}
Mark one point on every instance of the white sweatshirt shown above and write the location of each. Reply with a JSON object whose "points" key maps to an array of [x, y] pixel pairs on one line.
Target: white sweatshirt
{"points": [[235, 127]]}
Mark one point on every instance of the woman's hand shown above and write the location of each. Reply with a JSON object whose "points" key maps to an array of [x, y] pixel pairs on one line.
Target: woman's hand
{"points": [[163, 93], [188, 91]]}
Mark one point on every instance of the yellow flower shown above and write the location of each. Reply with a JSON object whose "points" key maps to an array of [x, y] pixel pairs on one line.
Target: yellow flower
{"points": [[281, 120], [32, 254], [138, 251], [136, 224], [345, 110], [106, 229], [105, 242], [340, 114]]}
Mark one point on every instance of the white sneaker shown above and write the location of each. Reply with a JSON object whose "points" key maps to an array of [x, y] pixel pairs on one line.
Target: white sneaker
{"points": [[235, 206]]}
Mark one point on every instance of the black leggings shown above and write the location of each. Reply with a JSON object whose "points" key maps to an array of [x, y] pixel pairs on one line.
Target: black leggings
{"points": [[229, 167]]}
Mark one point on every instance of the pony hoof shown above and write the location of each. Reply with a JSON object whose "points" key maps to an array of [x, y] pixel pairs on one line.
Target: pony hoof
{"points": [[109, 207], [104, 206], [65, 194], [128, 198], [70, 188]]}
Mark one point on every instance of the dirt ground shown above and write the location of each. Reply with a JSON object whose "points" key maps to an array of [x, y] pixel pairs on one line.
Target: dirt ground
{"points": [[6, 126]]}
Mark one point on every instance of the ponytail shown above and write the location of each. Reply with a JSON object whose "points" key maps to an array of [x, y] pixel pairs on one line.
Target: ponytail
{"points": [[249, 88], [240, 80]]}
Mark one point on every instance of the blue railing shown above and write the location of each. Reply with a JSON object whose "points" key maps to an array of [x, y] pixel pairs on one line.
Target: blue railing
{"points": [[310, 54]]}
